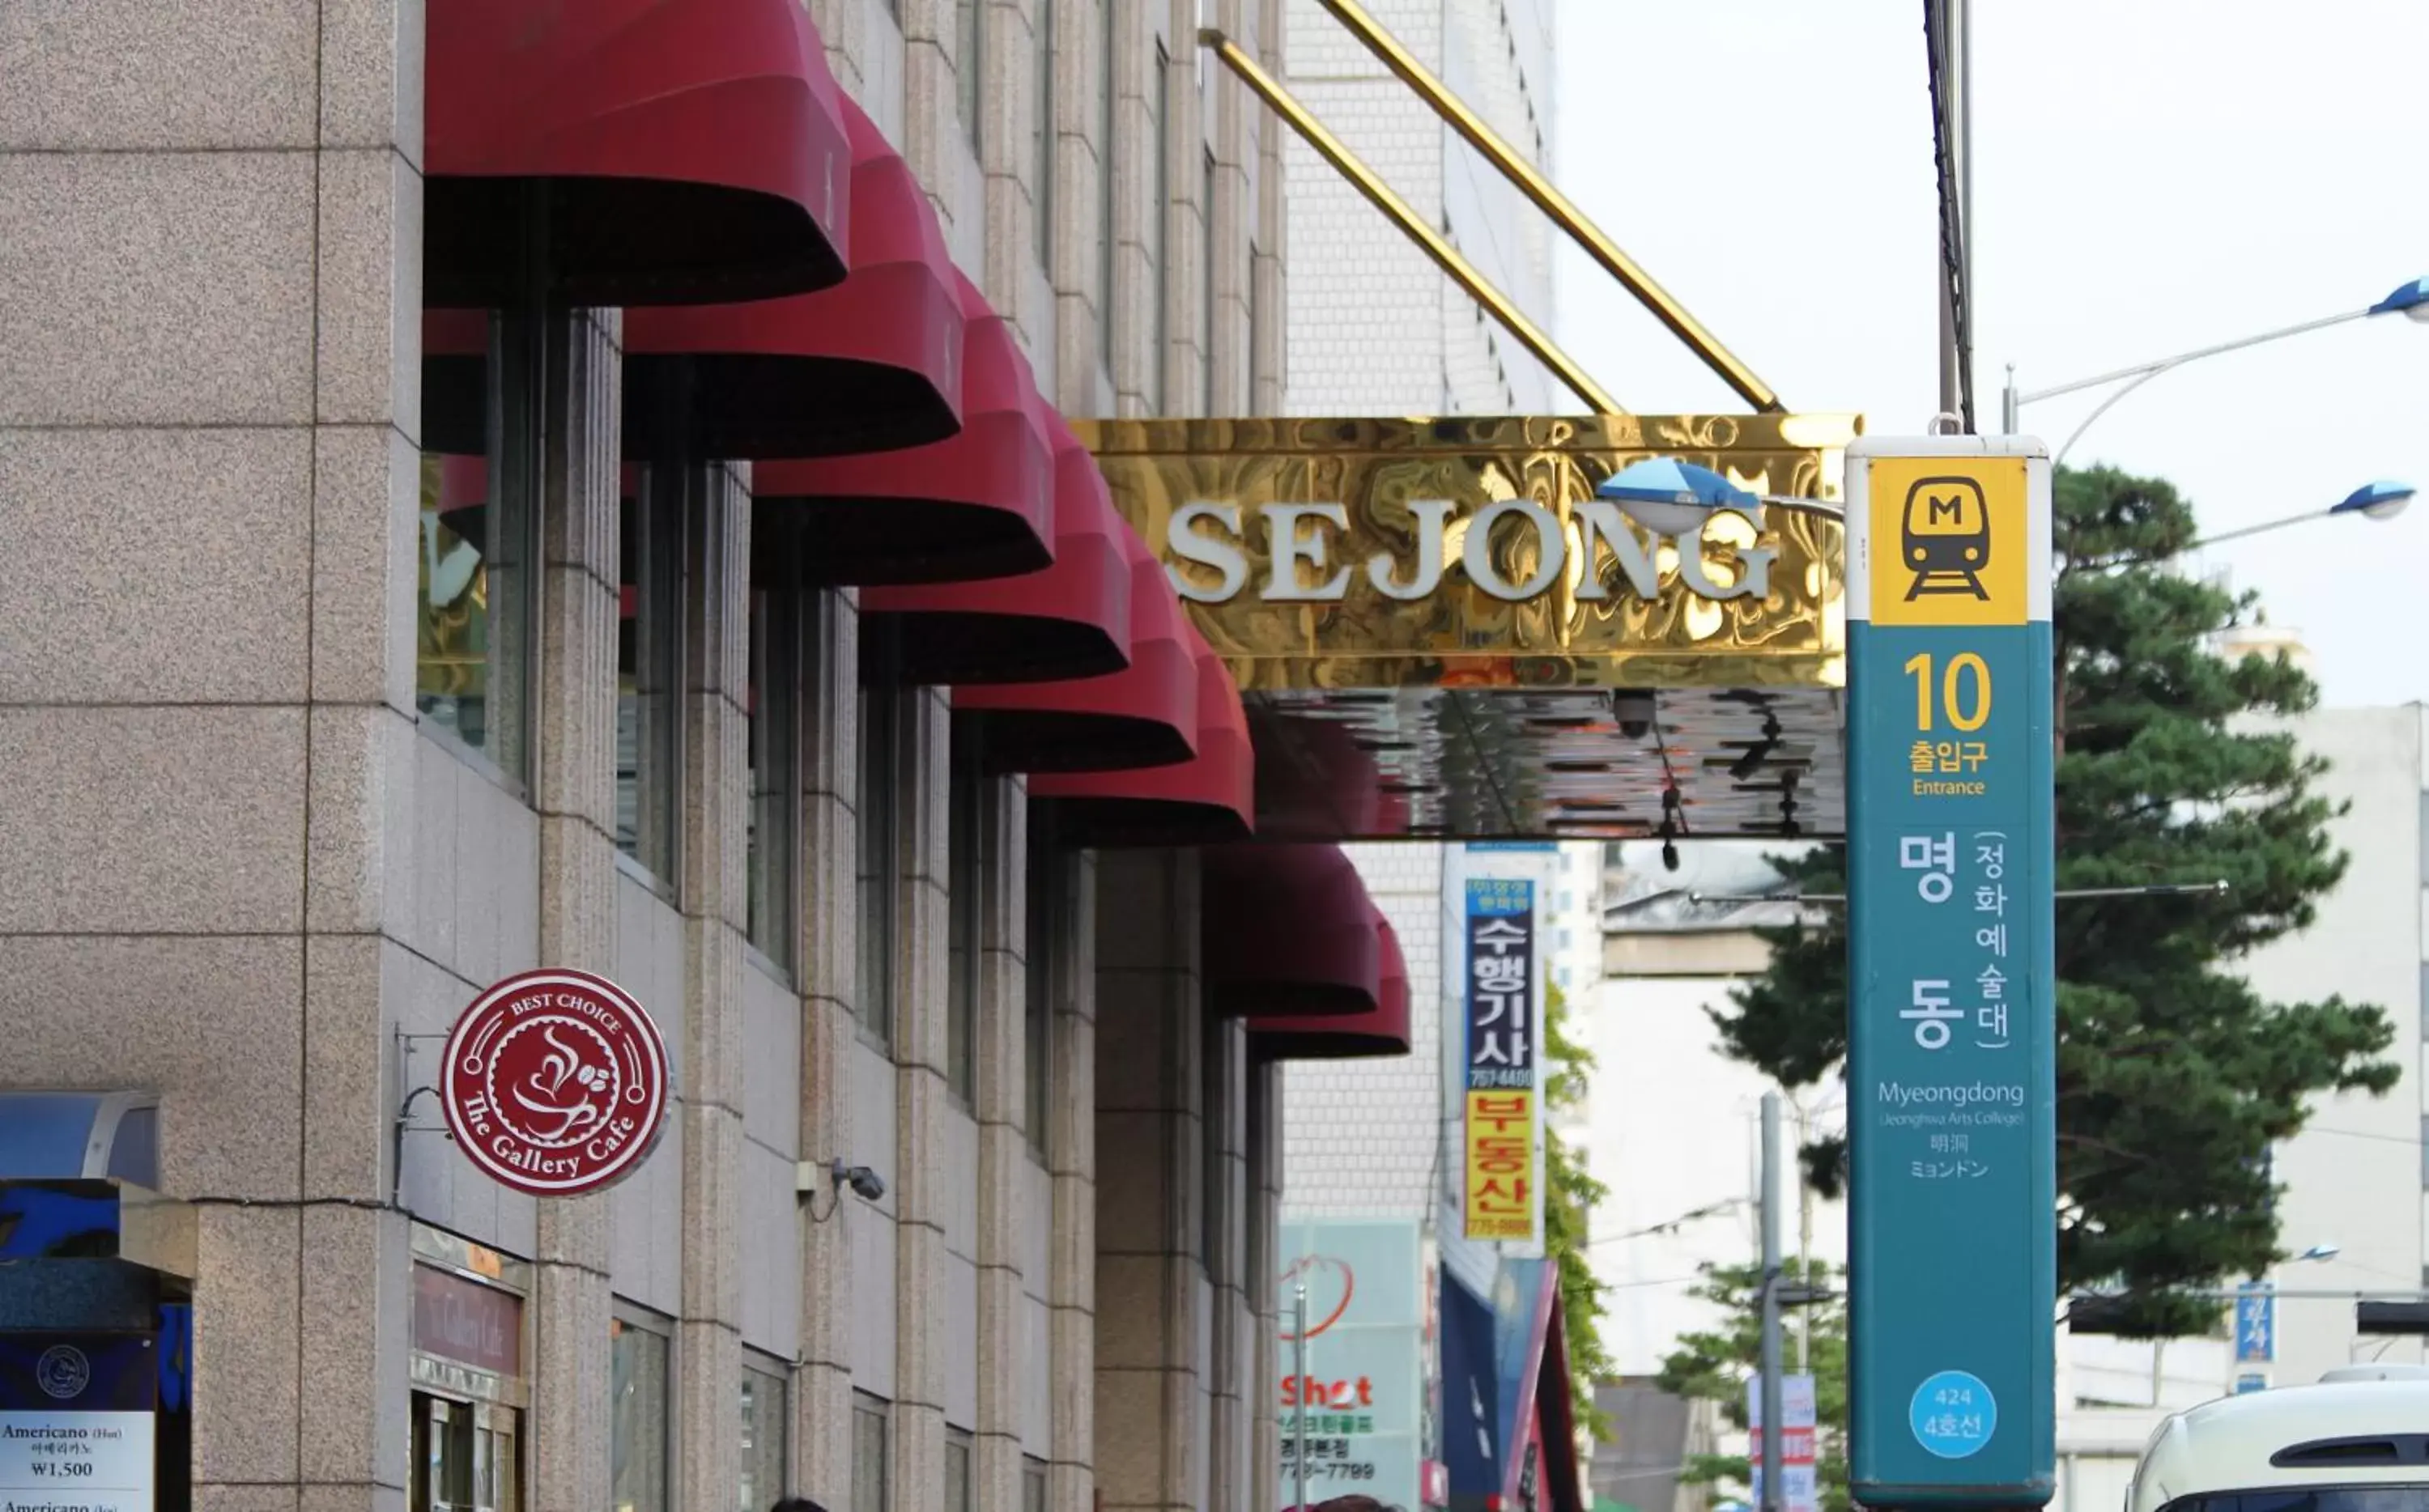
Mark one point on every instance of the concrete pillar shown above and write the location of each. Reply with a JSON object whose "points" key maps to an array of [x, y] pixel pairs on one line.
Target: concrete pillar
{"points": [[1153, 1304], [1072, 1157], [715, 908], [576, 794], [829, 968], [921, 1338], [1003, 1216]]}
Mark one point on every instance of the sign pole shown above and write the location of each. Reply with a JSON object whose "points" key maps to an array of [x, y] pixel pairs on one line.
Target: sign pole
{"points": [[1951, 976], [1298, 1419]]}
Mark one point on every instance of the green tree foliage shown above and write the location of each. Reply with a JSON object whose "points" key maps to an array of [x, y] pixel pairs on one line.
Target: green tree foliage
{"points": [[1569, 1196], [1715, 1365], [2174, 1077]]}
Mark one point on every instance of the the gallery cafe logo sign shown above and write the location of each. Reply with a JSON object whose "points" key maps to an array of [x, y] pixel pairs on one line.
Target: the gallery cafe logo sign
{"points": [[1301, 542]]}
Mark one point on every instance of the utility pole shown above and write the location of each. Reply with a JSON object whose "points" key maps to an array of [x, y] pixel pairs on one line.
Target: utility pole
{"points": [[1298, 1363], [1804, 1243], [1774, 1498]]}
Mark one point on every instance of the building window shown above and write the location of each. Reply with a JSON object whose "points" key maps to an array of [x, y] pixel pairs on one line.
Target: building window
{"points": [[473, 623], [764, 1417], [969, 31], [638, 1428], [774, 721], [869, 1433], [649, 670], [1108, 258], [1257, 317], [1047, 870], [968, 860], [1041, 173], [1215, 405], [1215, 1043], [1160, 229], [957, 1470], [1032, 1486], [881, 858]]}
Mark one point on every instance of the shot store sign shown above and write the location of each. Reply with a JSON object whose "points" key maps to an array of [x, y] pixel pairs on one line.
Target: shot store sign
{"points": [[1503, 1089]]}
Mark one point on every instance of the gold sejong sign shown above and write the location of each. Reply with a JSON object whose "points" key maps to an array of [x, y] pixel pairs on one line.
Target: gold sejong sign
{"points": [[1318, 554]]}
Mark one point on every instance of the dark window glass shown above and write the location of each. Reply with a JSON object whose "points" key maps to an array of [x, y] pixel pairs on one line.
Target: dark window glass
{"points": [[968, 861], [637, 1397], [774, 746], [880, 857], [649, 670], [868, 1435], [1044, 922], [1042, 169], [475, 561]]}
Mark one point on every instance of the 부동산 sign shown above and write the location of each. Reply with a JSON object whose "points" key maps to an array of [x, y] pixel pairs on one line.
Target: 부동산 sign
{"points": [[1500, 1117], [1952, 1036]]}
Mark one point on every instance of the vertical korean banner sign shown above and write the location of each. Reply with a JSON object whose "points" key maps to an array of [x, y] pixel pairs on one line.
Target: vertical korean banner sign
{"points": [[1951, 975], [1502, 1054]]}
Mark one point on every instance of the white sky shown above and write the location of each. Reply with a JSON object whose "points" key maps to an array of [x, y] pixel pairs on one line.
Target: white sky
{"points": [[2150, 177]]}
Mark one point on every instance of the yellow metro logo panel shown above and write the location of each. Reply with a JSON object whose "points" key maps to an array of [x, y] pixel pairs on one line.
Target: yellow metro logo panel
{"points": [[1948, 540]]}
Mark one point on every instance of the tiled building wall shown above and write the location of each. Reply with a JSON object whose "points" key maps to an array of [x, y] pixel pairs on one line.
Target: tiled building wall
{"points": [[1361, 1138], [221, 824], [1382, 330]]}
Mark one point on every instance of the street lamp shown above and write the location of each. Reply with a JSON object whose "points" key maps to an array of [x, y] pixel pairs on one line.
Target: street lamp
{"points": [[1673, 498], [2372, 501], [2411, 300]]}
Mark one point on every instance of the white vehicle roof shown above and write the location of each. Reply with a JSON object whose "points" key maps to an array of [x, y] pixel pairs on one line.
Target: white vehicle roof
{"points": [[2227, 1444]]}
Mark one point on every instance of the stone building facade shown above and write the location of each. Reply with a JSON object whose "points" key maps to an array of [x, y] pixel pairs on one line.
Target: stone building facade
{"points": [[256, 866]]}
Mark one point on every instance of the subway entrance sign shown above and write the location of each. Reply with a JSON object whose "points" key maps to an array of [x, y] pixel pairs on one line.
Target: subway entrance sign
{"points": [[1951, 1011]]}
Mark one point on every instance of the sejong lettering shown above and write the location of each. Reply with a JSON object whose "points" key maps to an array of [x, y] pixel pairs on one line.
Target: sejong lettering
{"points": [[1302, 540]]}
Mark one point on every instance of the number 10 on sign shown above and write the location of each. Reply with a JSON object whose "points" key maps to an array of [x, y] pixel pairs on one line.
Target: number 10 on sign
{"points": [[1951, 1022]]}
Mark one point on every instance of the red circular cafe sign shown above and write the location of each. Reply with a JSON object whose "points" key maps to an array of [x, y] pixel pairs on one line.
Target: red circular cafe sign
{"points": [[555, 1083]]}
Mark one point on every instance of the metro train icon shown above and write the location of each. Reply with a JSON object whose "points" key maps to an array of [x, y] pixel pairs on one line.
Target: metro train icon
{"points": [[1945, 538]]}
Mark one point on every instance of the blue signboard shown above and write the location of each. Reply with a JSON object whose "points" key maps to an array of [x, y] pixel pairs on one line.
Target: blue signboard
{"points": [[1951, 1020], [2255, 1324]]}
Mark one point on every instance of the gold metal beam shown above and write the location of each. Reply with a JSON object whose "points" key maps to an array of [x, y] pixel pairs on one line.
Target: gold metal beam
{"points": [[1471, 126], [1412, 225]]}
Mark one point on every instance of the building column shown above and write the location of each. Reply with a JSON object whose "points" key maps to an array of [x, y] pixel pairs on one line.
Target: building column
{"points": [[916, 1470], [1072, 1157], [1264, 1123], [1003, 1218], [1151, 1406], [715, 919], [829, 957], [1228, 1443], [576, 794]]}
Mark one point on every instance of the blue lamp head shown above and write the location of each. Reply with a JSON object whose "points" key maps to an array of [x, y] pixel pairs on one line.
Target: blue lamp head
{"points": [[1673, 498], [2375, 501], [2409, 300]]}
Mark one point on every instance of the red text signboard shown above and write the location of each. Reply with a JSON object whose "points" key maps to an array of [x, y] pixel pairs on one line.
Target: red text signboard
{"points": [[555, 1083]]}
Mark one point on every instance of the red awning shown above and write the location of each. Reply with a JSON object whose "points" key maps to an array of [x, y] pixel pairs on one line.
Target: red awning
{"points": [[1288, 931], [873, 364], [1070, 620], [667, 151], [1379, 1033], [977, 505], [1144, 717], [1209, 800]]}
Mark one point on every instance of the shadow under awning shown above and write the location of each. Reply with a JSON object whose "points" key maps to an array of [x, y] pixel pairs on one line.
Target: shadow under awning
{"points": [[97, 1220]]}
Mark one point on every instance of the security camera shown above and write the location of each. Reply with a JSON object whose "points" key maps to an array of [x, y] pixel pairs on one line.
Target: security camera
{"points": [[866, 1184], [1634, 712]]}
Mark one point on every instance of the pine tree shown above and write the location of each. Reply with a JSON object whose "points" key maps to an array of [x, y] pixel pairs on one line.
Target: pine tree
{"points": [[1714, 1365], [2174, 1077]]}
